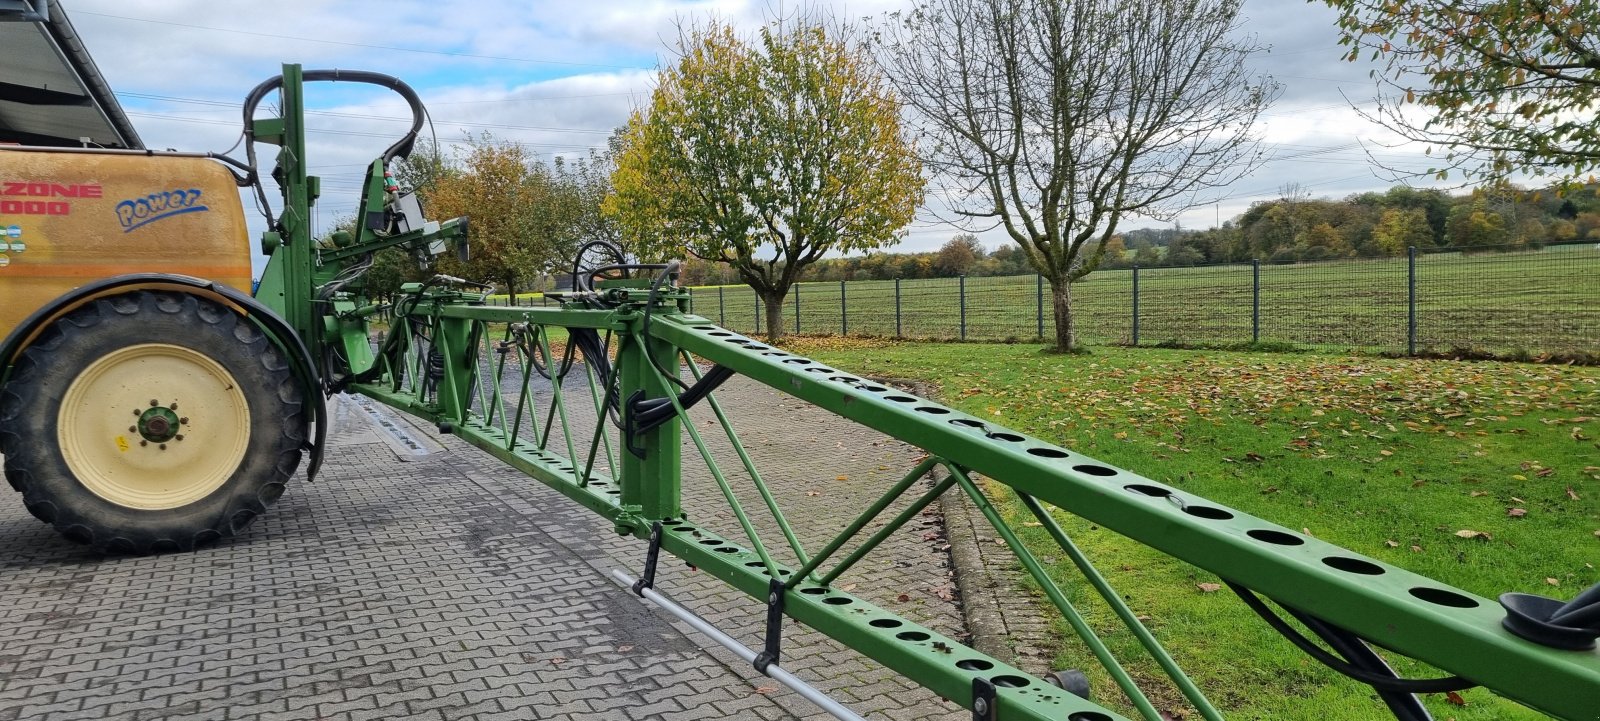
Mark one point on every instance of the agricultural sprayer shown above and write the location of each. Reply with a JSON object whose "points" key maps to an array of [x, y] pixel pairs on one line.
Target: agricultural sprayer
{"points": [[166, 408]]}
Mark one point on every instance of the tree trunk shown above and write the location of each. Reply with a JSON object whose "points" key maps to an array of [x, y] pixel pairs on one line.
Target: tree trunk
{"points": [[1061, 303], [511, 291], [774, 303]]}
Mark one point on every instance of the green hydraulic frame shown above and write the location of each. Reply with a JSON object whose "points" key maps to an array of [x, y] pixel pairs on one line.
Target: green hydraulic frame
{"points": [[511, 380]]}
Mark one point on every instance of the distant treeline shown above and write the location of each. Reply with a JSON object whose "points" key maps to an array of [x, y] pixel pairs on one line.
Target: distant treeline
{"points": [[1289, 229]]}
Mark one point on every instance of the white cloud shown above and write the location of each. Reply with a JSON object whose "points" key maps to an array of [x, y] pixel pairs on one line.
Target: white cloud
{"points": [[478, 66]]}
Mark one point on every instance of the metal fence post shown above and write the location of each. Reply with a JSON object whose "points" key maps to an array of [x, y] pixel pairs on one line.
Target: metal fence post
{"points": [[1255, 301], [844, 312], [1411, 300], [722, 308], [1136, 305], [897, 333], [963, 291], [757, 300], [1038, 301], [797, 307], [691, 299]]}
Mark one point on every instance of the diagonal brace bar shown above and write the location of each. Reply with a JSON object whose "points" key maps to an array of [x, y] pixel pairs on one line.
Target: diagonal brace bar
{"points": [[1098, 647]]}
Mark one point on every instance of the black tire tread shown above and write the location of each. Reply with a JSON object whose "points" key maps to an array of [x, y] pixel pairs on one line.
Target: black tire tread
{"points": [[33, 463]]}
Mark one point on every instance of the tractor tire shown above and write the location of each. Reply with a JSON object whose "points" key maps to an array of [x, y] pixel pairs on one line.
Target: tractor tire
{"points": [[151, 421]]}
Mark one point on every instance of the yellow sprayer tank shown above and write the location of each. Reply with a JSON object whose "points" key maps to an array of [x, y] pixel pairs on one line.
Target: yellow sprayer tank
{"points": [[70, 217]]}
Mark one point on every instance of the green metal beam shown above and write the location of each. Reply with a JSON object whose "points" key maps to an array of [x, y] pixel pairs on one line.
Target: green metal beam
{"points": [[1405, 612]]}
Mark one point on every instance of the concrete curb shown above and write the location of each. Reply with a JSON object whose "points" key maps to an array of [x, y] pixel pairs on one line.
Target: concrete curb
{"points": [[1005, 620]]}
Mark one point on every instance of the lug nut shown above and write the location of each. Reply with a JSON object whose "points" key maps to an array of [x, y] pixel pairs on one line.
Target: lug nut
{"points": [[179, 436], [136, 412], [174, 405], [144, 443], [163, 446], [184, 420], [154, 403], [133, 429]]}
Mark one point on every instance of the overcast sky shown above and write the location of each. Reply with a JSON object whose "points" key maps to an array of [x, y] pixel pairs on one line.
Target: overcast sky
{"points": [[559, 76]]}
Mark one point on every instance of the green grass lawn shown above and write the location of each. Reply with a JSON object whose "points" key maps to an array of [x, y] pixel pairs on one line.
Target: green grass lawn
{"points": [[1545, 301], [1390, 458]]}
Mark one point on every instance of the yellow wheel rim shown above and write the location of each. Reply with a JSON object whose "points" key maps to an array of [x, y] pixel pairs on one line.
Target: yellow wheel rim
{"points": [[153, 426]]}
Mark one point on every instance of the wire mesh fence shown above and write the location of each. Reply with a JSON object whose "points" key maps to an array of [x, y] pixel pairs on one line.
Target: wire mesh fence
{"points": [[1485, 300]]}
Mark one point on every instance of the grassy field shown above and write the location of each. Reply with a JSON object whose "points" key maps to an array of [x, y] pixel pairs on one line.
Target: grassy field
{"points": [[1391, 458], [1539, 302]]}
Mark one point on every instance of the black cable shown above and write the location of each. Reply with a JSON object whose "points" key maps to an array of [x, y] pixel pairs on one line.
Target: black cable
{"points": [[667, 271], [1375, 680], [1404, 706]]}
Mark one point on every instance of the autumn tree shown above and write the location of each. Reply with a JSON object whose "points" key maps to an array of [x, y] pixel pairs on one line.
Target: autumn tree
{"points": [[765, 155], [586, 182], [1474, 224], [1400, 228], [1115, 253], [1056, 119], [1495, 86], [521, 221], [959, 254]]}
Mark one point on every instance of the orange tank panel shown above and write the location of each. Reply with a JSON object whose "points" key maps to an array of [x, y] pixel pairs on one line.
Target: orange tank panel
{"points": [[69, 218]]}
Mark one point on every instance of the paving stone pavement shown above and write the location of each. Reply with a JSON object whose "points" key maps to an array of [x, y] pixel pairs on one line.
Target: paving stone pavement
{"points": [[452, 587]]}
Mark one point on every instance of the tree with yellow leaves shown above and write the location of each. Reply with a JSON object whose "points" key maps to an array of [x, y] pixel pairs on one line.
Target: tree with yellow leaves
{"points": [[765, 155]]}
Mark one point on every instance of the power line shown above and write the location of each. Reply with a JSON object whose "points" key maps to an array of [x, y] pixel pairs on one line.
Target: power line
{"points": [[362, 116], [361, 45], [351, 133]]}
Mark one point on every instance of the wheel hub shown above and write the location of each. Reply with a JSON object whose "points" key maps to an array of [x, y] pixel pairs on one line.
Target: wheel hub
{"points": [[158, 425], [146, 464]]}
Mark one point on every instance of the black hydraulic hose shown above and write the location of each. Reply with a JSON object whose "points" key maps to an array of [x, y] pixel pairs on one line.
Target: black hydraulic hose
{"points": [[1375, 680], [667, 271], [1404, 706], [399, 149]]}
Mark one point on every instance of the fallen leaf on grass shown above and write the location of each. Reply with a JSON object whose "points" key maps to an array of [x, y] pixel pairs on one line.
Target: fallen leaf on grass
{"points": [[1392, 543], [1571, 493], [1519, 477], [1036, 524], [1209, 587], [1475, 494], [1552, 581], [1514, 513], [1455, 698], [1468, 533], [1416, 549]]}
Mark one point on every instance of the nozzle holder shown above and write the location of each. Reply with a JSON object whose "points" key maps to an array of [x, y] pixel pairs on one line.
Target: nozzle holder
{"points": [[1529, 616]]}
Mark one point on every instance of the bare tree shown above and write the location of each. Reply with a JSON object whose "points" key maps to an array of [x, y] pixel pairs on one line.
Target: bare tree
{"points": [[1057, 118]]}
